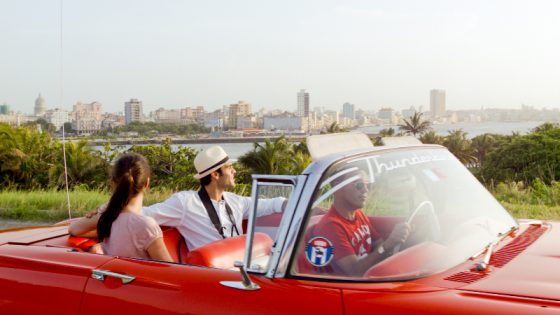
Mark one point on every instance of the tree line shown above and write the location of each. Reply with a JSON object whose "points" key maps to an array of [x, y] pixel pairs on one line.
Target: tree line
{"points": [[34, 160]]}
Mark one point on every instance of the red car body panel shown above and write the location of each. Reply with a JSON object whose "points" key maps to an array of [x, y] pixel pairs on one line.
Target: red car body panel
{"points": [[44, 280]]}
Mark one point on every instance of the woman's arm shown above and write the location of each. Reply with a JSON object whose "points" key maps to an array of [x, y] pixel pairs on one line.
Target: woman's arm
{"points": [[87, 226], [158, 251]]}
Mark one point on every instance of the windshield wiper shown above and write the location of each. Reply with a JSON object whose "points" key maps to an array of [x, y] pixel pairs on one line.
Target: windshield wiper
{"points": [[485, 263]]}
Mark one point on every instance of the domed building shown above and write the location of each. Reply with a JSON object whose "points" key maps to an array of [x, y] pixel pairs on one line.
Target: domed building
{"points": [[40, 107]]}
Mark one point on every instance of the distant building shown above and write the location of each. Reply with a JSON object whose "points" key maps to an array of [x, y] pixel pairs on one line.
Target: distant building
{"points": [[386, 113], [437, 103], [87, 117], [329, 117], [241, 109], [58, 117], [348, 111], [4, 109], [246, 122], [133, 111], [407, 113], [111, 120], [169, 116], [16, 119], [194, 114], [302, 104], [286, 123], [40, 107]]}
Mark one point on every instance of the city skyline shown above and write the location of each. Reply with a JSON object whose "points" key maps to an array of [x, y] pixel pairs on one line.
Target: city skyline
{"points": [[498, 54]]}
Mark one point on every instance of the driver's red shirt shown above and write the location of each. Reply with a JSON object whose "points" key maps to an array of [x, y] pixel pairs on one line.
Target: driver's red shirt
{"points": [[348, 237]]}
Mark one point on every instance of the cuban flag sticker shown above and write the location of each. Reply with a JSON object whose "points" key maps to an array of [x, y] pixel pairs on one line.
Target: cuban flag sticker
{"points": [[319, 251]]}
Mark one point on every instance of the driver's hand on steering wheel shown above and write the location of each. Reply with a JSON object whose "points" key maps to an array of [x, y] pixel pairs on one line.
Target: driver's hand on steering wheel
{"points": [[398, 235]]}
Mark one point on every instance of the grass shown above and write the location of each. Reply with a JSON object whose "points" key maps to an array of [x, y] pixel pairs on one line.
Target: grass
{"points": [[51, 205], [537, 201]]}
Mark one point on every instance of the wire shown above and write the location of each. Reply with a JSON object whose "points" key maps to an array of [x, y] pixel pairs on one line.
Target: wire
{"points": [[61, 104]]}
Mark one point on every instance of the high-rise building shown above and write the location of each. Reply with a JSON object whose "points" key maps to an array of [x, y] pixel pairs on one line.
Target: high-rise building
{"points": [[303, 104], [133, 111], [39, 106], [437, 103], [348, 111]]}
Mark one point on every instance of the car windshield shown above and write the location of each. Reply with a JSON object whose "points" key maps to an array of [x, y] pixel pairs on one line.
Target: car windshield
{"points": [[364, 207]]}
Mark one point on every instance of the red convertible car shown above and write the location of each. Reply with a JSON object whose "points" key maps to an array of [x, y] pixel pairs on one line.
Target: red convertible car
{"points": [[464, 254]]}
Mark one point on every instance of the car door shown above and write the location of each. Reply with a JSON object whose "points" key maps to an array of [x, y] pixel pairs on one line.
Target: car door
{"points": [[169, 288], [43, 280]]}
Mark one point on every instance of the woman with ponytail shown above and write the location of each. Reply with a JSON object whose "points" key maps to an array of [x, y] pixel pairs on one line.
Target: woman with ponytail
{"points": [[121, 227]]}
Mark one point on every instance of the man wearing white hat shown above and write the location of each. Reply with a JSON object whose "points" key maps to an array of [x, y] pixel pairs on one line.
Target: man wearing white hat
{"points": [[211, 213]]}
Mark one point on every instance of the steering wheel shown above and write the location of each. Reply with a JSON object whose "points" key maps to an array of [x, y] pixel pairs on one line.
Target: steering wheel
{"points": [[435, 229]]}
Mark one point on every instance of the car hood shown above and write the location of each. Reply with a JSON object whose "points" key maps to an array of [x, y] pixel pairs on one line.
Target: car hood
{"points": [[530, 268]]}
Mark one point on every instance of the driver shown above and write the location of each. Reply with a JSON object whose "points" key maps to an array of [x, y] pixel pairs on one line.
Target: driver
{"points": [[356, 244]]}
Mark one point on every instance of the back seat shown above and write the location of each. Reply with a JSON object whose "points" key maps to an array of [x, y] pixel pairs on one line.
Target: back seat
{"points": [[175, 243]]}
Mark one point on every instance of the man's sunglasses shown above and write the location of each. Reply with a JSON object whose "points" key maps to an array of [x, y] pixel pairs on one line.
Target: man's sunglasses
{"points": [[361, 185]]}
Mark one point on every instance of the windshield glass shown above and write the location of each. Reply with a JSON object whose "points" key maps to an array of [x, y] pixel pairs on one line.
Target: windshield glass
{"points": [[397, 215]]}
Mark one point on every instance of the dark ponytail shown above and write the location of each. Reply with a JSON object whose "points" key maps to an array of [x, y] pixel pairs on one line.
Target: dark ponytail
{"points": [[128, 178]]}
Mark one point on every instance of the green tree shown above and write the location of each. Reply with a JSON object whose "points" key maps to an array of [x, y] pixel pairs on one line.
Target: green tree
{"points": [[458, 144], [431, 137], [171, 168], [482, 145], [276, 157], [25, 156], [84, 166], [415, 125], [526, 158]]}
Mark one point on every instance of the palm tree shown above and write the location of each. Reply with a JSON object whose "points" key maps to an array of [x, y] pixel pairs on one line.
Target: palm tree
{"points": [[432, 137], [458, 144], [415, 125], [272, 157], [24, 155], [83, 167], [482, 145], [335, 128]]}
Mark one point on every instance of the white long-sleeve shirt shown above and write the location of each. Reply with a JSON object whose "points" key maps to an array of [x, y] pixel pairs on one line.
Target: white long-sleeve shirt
{"points": [[185, 211]]}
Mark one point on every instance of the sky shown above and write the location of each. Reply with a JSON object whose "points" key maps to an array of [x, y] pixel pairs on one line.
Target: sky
{"points": [[174, 54]]}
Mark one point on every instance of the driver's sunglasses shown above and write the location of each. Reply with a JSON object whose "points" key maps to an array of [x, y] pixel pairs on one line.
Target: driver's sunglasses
{"points": [[361, 185]]}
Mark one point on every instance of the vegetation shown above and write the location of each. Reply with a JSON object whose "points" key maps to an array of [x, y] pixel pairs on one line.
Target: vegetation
{"points": [[52, 206], [523, 171], [152, 128], [276, 157], [415, 125]]}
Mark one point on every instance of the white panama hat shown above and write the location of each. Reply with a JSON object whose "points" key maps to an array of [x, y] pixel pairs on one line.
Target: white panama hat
{"points": [[210, 160]]}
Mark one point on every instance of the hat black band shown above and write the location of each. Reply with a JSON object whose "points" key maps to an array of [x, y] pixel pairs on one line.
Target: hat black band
{"points": [[211, 167]]}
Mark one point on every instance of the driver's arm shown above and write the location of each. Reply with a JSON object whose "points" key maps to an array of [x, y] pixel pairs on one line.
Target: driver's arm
{"points": [[353, 266]]}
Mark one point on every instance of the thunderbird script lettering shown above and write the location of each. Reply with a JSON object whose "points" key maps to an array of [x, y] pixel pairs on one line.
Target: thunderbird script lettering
{"points": [[414, 159]]}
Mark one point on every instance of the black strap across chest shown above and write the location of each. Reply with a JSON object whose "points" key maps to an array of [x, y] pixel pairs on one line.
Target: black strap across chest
{"points": [[213, 215]]}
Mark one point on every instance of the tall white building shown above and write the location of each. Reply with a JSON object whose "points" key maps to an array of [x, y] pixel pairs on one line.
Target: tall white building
{"points": [[133, 111], [40, 107], [302, 104], [348, 111], [437, 103]]}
